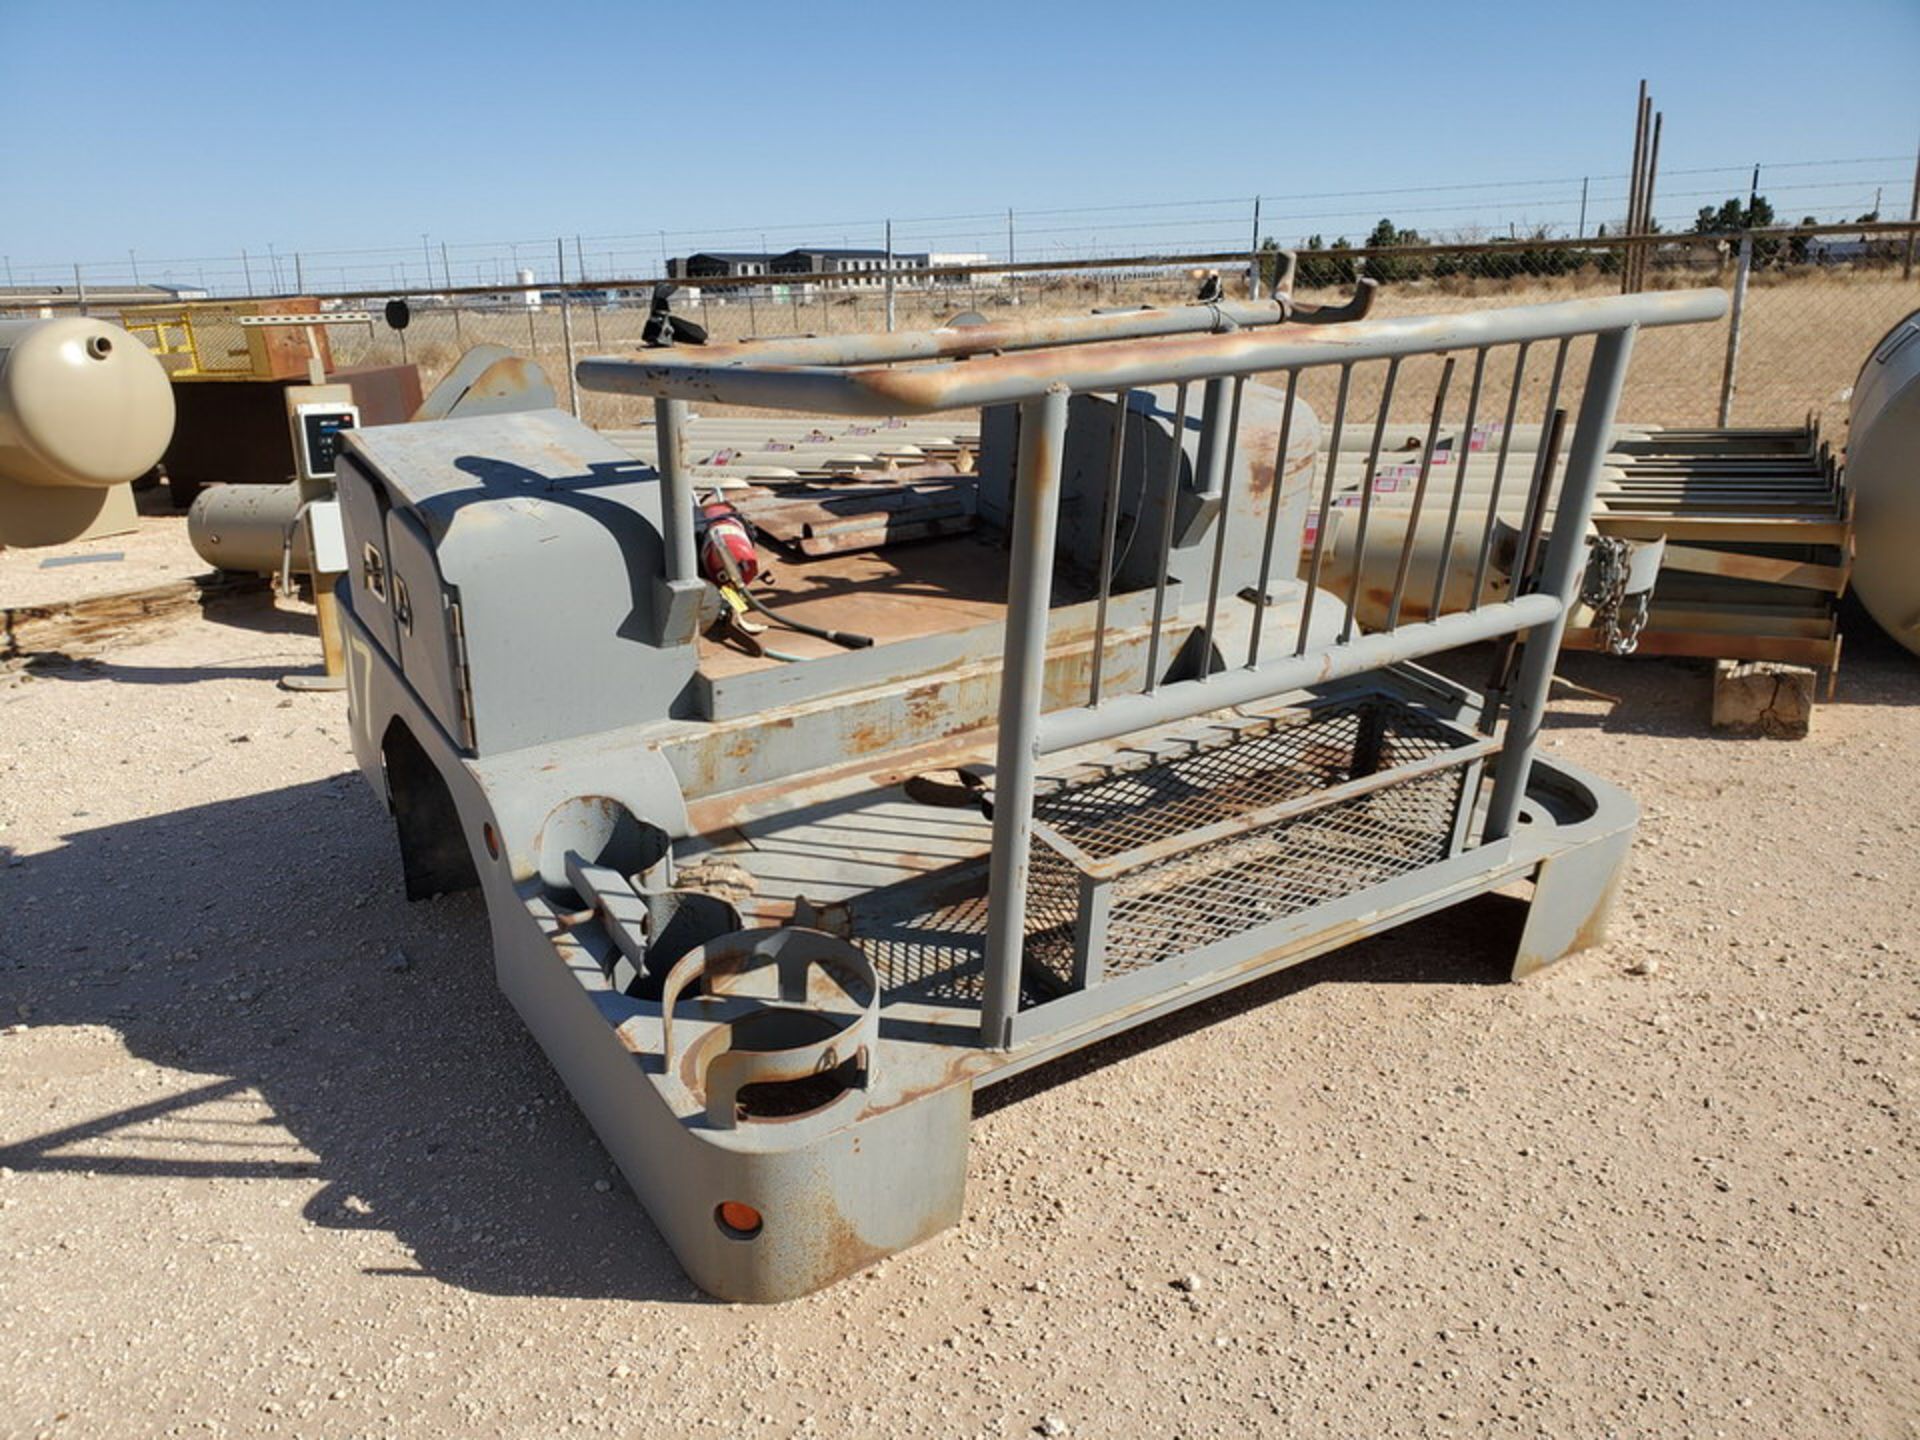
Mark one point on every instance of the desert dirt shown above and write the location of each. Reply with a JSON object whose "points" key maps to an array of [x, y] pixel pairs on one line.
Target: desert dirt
{"points": [[280, 1160]]}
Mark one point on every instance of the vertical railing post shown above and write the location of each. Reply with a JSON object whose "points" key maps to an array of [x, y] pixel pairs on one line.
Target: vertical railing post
{"points": [[676, 486], [1043, 429], [1560, 574], [1729, 376]]}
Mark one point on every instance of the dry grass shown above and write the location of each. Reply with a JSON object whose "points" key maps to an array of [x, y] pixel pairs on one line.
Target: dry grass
{"points": [[1803, 343]]}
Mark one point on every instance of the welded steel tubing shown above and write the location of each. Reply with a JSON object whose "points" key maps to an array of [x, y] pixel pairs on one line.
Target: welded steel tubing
{"points": [[1274, 507], [670, 419], [1109, 535], [1560, 575], [1462, 461], [1419, 497], [1217, 421], [1225, 496], [1167, 514], [1182, 700], [1043, 431], [1322, 517], [1002, 379], [1366, 493], [948, 342]]}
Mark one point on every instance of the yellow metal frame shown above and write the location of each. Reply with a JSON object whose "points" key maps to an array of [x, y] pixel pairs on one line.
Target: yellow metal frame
{"points": [[181, 349]]}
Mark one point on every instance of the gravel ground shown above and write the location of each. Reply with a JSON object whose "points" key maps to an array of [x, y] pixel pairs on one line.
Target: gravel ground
{"points": [[154, 553], [280, 1160]]}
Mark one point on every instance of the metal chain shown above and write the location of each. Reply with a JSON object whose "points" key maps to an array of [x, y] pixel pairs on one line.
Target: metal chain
{"points": [[1619, 617]]}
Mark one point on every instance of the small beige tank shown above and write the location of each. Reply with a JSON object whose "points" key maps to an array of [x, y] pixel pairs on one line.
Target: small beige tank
{"points": [[1883, 467], [82, 403]]}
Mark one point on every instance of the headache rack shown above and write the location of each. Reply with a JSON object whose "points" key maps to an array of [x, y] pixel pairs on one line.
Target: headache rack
{"points": [[1359, 797]]}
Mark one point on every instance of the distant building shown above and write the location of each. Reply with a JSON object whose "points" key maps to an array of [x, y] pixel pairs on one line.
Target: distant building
{"points": [[849, 268], [46, 300], [719, 265], [961, 274], [1838, 249]]}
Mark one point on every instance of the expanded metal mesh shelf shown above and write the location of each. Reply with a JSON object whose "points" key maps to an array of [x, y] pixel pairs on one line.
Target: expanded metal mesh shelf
{"points": [[1167, 853]]}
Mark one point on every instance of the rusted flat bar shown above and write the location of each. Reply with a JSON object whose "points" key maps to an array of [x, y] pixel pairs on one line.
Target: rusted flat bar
{"points": [[1771, 530], [1764, 569], [1720, 645], [1784, 621]]}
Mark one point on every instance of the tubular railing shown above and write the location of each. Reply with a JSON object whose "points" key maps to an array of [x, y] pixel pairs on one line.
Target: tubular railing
{"points": [[1039, 369]]}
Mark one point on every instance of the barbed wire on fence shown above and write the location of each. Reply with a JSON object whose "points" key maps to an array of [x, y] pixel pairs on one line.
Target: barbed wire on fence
{"points": [[1562, 206]]}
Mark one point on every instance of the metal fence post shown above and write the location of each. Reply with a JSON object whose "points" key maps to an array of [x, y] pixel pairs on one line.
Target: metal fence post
{"points": [[1913, 215], [453, 300], [566, 327], [889, 277], [1253, 255], [79, 288], [1043, 429], [1560, 574], [1729, 376]]}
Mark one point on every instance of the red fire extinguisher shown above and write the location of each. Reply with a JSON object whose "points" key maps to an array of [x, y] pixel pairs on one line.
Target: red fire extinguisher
{"points": [[728, 555]]}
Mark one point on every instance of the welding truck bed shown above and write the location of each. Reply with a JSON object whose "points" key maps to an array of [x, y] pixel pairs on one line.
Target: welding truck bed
{"points": [[776, 907]]}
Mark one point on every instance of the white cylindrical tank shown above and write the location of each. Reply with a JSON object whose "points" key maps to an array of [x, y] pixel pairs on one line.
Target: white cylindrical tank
{"points": [[82, 404], [1883, 468]]}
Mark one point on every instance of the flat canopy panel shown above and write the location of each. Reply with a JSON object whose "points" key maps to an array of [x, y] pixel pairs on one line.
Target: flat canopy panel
{"points": [[437, 467]]}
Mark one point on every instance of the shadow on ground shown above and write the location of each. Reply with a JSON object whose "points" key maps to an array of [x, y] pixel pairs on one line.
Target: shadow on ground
{"points": [[1673, 698], [257, 941], [254, 941]]}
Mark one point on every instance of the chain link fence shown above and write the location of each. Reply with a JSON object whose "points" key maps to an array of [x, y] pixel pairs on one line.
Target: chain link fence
{"points": [[1809, 305]]}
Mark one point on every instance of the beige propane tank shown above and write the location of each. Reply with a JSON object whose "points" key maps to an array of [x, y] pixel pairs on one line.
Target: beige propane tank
{"points": [[1883, 468], [84, 408]]}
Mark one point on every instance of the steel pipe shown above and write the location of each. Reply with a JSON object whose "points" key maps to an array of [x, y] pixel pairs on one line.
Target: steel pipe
{"points": [[670, 421], [1560, 574], [1043, 433], [762, 378]]}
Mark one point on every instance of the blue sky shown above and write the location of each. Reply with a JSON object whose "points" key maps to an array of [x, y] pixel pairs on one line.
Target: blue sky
{"points": [[188, 131]]}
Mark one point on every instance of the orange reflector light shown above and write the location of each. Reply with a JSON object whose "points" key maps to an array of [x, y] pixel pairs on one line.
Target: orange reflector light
{"points": [[742, 1221]]}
